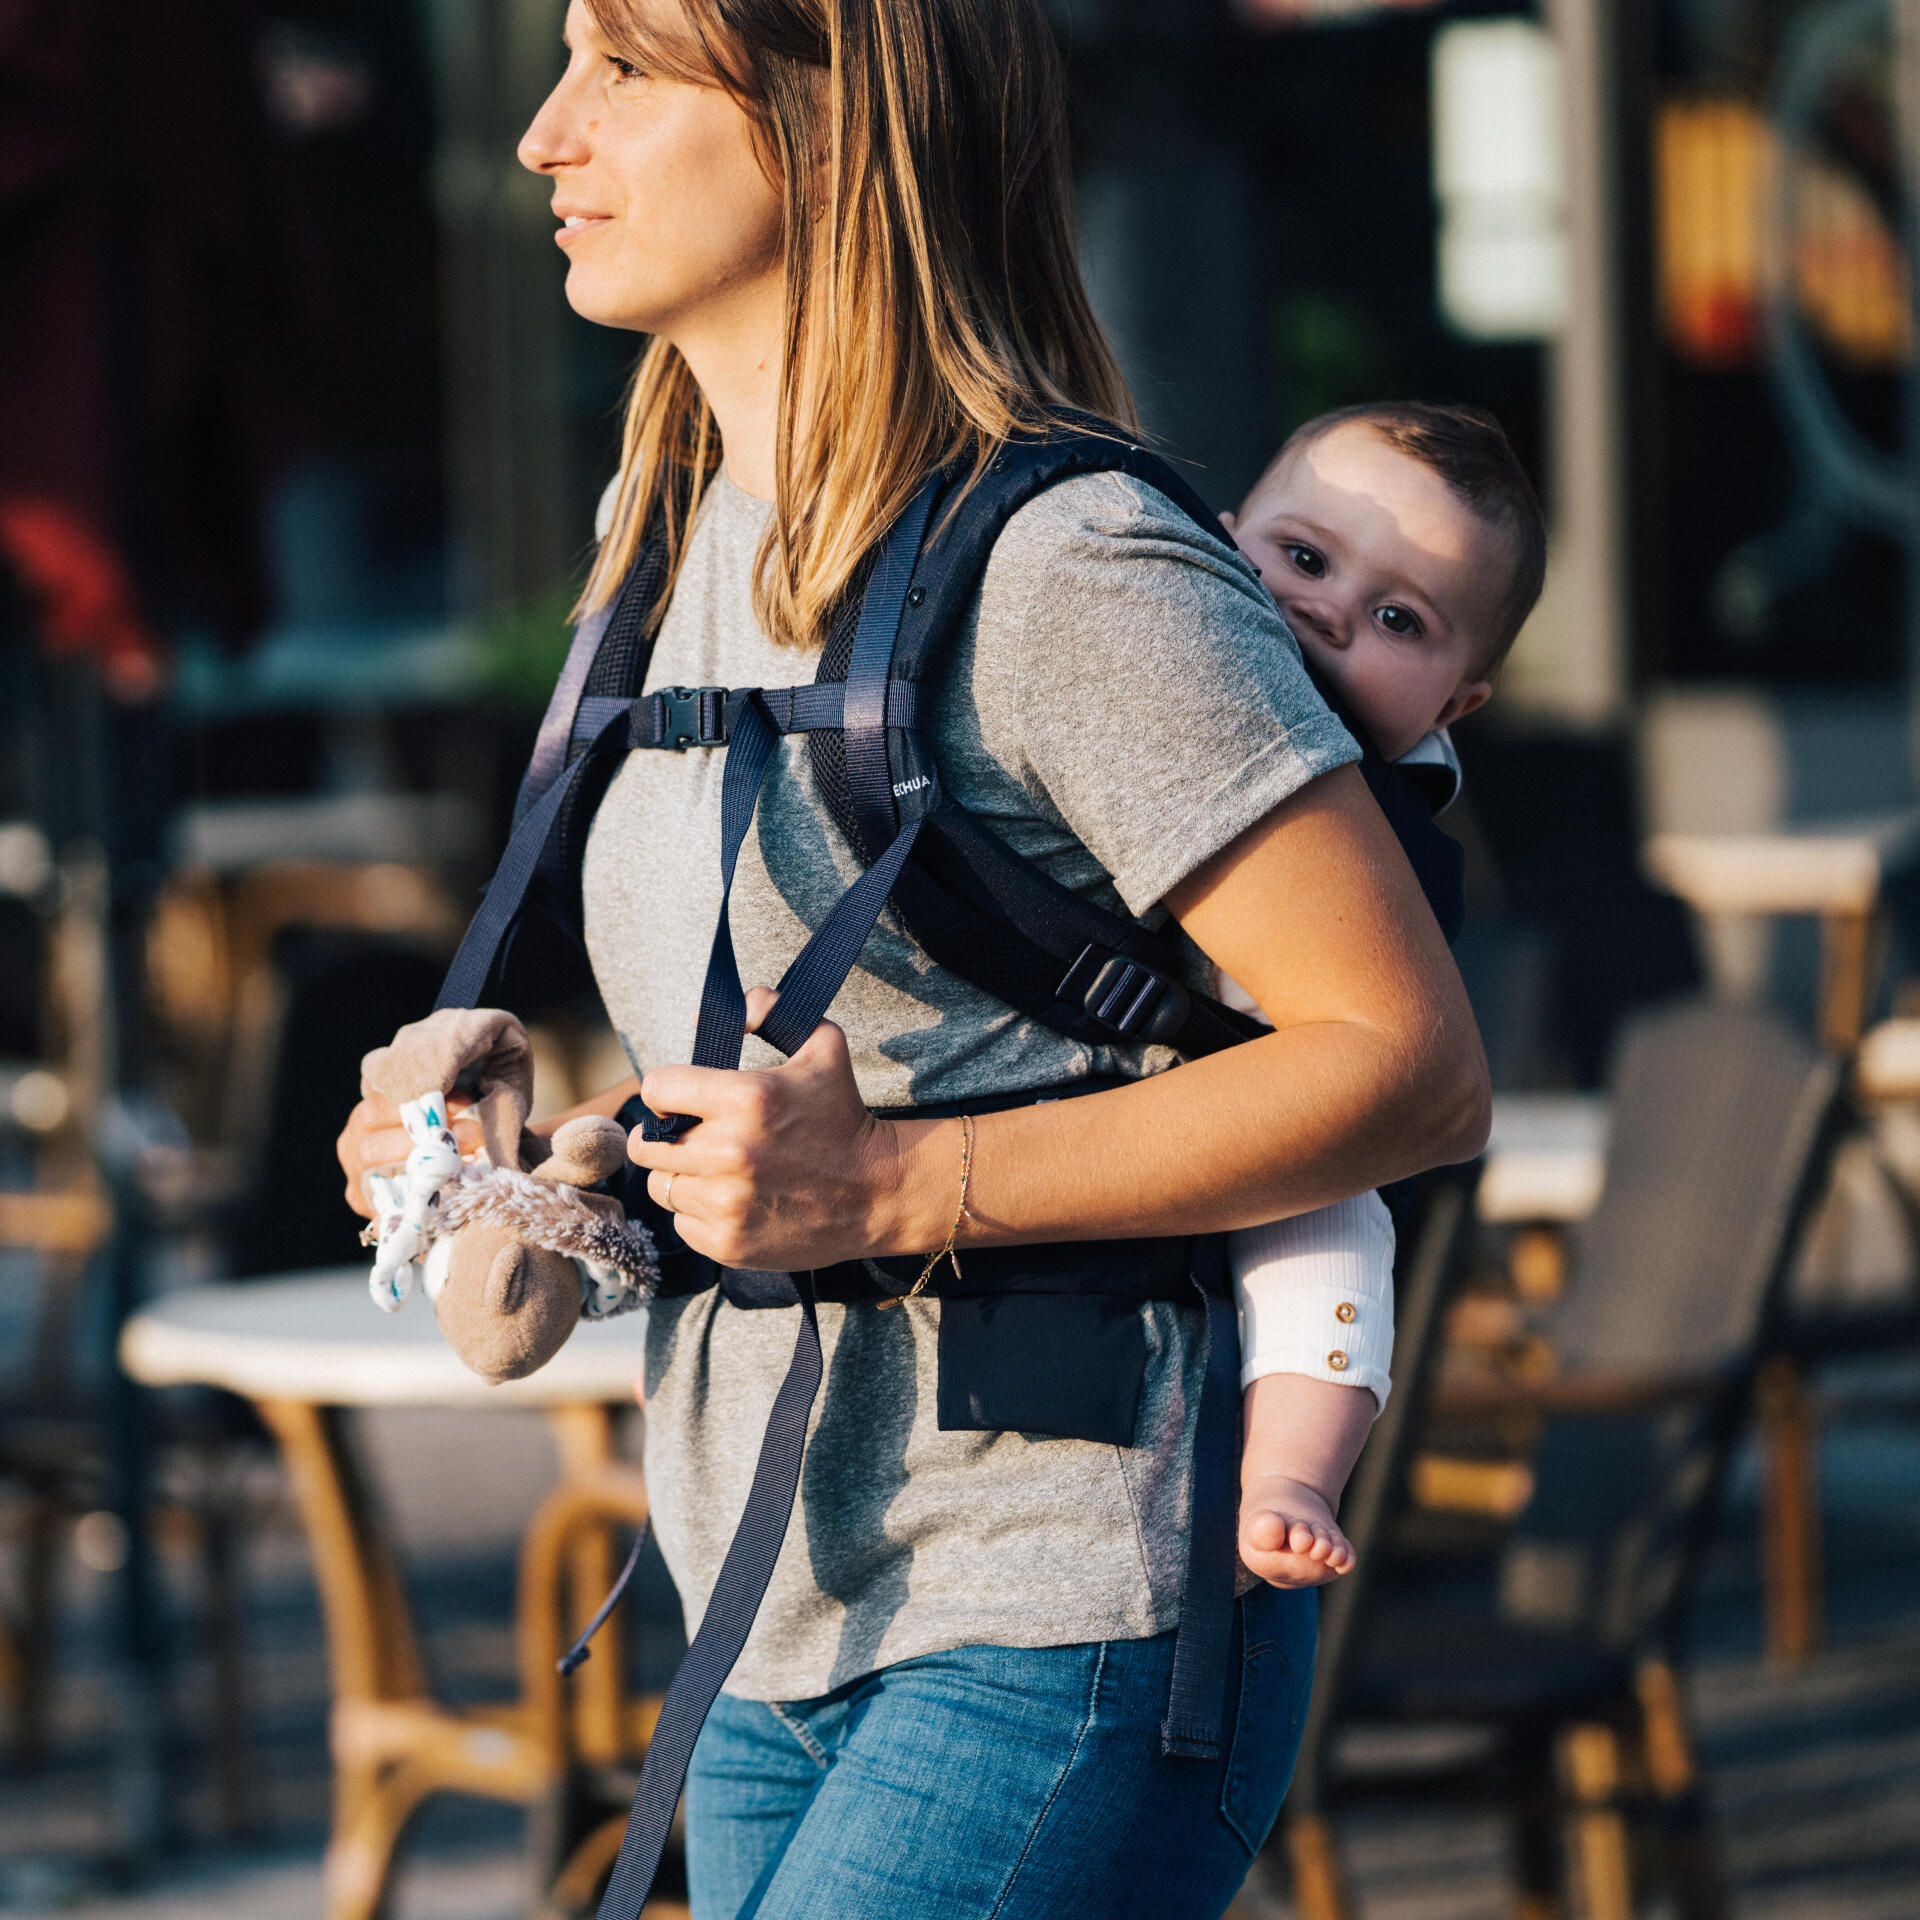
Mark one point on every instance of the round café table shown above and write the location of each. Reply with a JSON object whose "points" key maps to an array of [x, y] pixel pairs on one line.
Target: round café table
{"points": [[304, 1349]]}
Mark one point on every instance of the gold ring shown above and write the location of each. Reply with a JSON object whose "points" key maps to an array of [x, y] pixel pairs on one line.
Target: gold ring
{"points": [[666, 1192]]}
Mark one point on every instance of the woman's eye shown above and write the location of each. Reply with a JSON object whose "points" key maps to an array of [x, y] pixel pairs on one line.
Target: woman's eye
{"points": [[623, 69], [1398, 620], [1308, 560]]}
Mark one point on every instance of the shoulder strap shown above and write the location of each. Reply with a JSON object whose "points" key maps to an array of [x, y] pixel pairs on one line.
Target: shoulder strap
{"points": [[978, 907]]}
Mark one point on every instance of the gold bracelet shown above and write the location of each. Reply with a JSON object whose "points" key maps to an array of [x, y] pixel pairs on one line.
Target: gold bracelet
{"points": [[948, 1249]]}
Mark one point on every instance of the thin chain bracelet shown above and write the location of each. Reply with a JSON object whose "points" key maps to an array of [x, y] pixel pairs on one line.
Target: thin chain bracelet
{"points": [[948, 1249]]}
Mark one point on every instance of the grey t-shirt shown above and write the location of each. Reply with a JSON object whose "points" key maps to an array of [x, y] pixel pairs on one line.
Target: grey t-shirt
{"points": [[1124, 702]]}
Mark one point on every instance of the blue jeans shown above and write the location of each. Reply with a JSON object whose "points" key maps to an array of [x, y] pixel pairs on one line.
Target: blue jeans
{"points": [[998, 1783]]}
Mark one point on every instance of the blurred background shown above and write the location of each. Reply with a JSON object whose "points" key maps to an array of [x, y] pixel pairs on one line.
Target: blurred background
{"points": [[299, 451]]}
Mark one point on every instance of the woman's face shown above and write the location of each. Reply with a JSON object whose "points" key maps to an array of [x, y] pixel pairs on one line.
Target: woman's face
{"points": [[668, 221]]}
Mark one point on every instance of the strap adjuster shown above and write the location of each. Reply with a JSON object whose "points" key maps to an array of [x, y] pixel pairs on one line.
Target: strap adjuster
{"points": [[1126, 996], [684, 717]]}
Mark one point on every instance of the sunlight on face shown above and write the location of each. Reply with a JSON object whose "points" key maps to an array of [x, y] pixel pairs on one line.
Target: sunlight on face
{"points": [[670, 224], [1391, 583]]}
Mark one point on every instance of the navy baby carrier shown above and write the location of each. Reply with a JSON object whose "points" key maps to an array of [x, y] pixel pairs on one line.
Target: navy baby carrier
{"points": [[1042, 1340]]}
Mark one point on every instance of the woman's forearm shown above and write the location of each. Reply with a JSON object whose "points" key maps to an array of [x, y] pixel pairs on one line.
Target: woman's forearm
{"points": [[1293, 1121], [607, 1104]]}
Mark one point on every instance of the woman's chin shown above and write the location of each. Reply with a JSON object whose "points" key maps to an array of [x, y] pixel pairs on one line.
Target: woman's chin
{"points": [[591, 299]]}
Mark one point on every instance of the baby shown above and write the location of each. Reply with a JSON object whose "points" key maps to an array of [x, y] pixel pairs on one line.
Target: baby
{"points": [[1405, 546]]}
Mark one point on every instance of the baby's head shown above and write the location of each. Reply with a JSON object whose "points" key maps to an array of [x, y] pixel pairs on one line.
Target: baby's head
{"points": [[1405, 547]]}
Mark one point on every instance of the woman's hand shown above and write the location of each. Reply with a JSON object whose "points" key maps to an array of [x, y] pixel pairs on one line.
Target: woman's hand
{"points": [[374, 1137], [787, 1169]]}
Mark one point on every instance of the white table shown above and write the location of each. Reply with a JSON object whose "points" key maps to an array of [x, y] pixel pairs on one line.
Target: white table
{"points": [[306, 1347], [1835, 871], [1546, 1158], [318, 1337]]}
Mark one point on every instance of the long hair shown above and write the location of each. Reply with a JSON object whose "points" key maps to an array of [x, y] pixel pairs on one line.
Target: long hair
{"points": [[934, 305]]}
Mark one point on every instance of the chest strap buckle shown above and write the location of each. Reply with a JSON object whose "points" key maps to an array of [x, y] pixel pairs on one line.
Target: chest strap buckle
{"points": [[683, 717]]}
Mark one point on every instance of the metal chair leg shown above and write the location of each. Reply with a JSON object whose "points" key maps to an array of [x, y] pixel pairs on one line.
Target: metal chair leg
{"points": [[234, 1773], [1535, 1841], [34, 1642], [1790, 1512], [1319, 1887], [1591, 1767], [1688, 1844]]}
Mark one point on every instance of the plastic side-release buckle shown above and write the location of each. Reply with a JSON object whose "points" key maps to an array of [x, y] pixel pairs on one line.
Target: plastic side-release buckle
{"points": [[1126, 996], [683, 717]]}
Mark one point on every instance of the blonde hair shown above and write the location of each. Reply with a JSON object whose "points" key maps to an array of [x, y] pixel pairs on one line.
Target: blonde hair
{"points": [[934, 306]]}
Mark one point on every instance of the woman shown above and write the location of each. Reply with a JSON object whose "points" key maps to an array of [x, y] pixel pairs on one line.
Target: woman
{"points": [[844, 223]]}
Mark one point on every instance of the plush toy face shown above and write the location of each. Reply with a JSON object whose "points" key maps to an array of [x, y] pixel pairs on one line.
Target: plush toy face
{"points": [[506, 1308]]}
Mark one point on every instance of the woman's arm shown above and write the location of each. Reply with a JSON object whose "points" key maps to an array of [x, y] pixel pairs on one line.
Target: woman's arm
{"points": [[1373, 1072]]}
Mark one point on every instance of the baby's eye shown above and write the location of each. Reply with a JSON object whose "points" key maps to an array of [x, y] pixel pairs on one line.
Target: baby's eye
{"points": [[1309, 560], [1398, 620]]}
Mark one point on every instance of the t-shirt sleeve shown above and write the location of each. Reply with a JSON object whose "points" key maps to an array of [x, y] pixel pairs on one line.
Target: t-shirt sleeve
{"points": [[1160, 702]]}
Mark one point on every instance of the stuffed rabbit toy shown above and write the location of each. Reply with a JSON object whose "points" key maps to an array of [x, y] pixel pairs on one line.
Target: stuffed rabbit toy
{"points": [[511, 1259]]}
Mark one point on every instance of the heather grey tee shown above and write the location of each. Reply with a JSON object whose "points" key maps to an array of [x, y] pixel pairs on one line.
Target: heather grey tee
{"points": [[1124, 702]]}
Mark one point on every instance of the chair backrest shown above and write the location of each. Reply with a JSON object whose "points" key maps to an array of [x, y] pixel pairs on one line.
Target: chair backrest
{"points": [[1723, 1123], [1714, 1111], [1433, 1245]]}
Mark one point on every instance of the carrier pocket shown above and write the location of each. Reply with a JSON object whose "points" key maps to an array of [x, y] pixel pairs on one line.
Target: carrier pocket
{"points": [[1069, 1366]]}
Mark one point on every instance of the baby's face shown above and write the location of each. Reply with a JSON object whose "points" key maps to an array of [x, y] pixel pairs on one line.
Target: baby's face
{"points": [[1390, 582]]}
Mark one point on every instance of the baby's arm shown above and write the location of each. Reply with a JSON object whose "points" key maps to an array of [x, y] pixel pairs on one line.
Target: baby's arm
{"points": [[1315, 1295]]}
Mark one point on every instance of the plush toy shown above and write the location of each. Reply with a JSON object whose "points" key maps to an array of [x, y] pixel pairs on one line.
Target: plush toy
{"points": [[511, 1258], [405, 1213]]}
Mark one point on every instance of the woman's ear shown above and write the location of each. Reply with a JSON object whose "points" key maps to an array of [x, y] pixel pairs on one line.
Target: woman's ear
{"points": [[1229, 519], [1467, 699]]}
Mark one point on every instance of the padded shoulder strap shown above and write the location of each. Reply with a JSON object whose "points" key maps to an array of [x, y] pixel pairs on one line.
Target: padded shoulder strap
{"points": [[976, 906]]}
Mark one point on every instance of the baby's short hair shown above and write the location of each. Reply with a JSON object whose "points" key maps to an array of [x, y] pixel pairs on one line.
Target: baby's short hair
{"points": [[1469, 449]]}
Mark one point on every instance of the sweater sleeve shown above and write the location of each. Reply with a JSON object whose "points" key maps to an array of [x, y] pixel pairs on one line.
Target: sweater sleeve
{"points": [[1315, 1295]]}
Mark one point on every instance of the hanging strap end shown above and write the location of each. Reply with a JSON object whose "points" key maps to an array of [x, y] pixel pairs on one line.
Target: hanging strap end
{"points": [[1186, 1740]]}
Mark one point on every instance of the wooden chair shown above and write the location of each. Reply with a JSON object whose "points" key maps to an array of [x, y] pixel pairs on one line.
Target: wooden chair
{"points": [[1838, 874], [1561, 1649], [580, 1822], [567, 1750]]}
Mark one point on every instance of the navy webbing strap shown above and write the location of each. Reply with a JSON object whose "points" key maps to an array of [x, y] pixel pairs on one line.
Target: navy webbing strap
{"points": [[723, 1003], [1203, 1646], [466, 981], [676, 718], [725, 1624], [820, 969]]}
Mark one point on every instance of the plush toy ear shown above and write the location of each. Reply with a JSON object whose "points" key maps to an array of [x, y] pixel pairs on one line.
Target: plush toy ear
{"points": [[425, 1119], [509, 1280], [382, 1194], [585, 1151]]}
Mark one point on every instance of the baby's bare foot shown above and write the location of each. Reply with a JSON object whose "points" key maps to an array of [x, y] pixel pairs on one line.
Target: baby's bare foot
{"points": [[1288, 1535]]}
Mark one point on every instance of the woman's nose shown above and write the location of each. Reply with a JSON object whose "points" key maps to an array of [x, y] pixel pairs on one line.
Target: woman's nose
{"points": [[555, 138]]}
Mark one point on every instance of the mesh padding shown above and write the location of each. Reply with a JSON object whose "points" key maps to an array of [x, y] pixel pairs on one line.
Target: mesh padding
{"points": [[827, 748]]}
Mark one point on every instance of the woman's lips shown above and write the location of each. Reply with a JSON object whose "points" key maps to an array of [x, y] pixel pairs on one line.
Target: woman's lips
{"points": [[573, 225]]}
